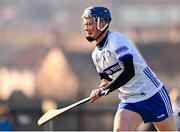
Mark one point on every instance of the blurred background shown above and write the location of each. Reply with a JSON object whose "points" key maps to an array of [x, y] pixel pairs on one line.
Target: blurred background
{"points": [[45, 62]]}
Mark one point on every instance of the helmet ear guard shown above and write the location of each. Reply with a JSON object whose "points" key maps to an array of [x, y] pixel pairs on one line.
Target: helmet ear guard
{"points": [[98, 24]]}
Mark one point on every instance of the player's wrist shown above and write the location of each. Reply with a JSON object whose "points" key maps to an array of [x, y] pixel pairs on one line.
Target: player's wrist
{"points": [[103, 83], [104, 80]]}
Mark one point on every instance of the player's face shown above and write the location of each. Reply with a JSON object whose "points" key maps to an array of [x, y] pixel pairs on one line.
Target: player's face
{"points": [[90, 28]]}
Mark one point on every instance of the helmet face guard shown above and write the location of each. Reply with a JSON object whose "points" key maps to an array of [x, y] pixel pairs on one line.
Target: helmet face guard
{"points": [[97, 13]]}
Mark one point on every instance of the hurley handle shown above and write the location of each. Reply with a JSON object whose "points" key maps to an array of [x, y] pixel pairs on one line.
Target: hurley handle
{"points": [[104, 92]]}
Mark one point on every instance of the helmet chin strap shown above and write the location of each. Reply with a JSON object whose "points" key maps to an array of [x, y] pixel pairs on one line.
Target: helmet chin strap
{"points": [[98, 25], [90, 39], [101, 29], [104, 29]]}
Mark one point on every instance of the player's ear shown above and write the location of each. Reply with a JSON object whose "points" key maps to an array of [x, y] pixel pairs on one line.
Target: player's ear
{"points": [[102, 23]]}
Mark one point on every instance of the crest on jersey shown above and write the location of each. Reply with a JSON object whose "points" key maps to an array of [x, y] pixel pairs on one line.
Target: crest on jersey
{"points": [[108, 53]]}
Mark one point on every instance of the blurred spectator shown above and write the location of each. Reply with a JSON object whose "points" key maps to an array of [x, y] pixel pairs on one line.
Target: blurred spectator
{"points": [[5, 121]]}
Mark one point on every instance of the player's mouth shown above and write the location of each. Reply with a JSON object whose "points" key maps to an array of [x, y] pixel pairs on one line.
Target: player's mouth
{"points": [[89, 34]]}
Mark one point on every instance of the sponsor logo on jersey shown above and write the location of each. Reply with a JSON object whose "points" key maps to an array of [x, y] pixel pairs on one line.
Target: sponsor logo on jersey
{"points": [[121, 49], [112, 69]]}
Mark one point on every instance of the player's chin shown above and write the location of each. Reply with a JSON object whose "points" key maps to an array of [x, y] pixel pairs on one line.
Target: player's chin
{"points": [[89, 38]]}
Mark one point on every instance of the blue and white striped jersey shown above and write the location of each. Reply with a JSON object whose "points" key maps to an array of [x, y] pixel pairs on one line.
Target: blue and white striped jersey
{"points": [[108, 61]]}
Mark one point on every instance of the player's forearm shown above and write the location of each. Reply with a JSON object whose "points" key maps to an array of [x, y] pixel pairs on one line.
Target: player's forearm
{"points": [[125, 76], [104, 76]]}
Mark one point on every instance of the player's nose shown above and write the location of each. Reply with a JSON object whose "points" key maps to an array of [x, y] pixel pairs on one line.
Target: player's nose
{"points": [[86, 28]]}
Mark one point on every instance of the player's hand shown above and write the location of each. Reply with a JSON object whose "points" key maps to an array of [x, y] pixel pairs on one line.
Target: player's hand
{"points": [[95, 94], [103, 83]]}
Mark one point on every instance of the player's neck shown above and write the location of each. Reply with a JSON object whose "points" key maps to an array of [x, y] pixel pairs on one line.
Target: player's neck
{"points": [[101, 37], [101, 44]]}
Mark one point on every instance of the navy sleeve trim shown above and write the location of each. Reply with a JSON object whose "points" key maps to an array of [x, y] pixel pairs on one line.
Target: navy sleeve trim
{"points": [[125, 56]]}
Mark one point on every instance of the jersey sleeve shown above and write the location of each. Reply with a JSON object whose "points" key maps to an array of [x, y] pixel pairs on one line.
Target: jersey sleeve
{"points": [[121, 47]]}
